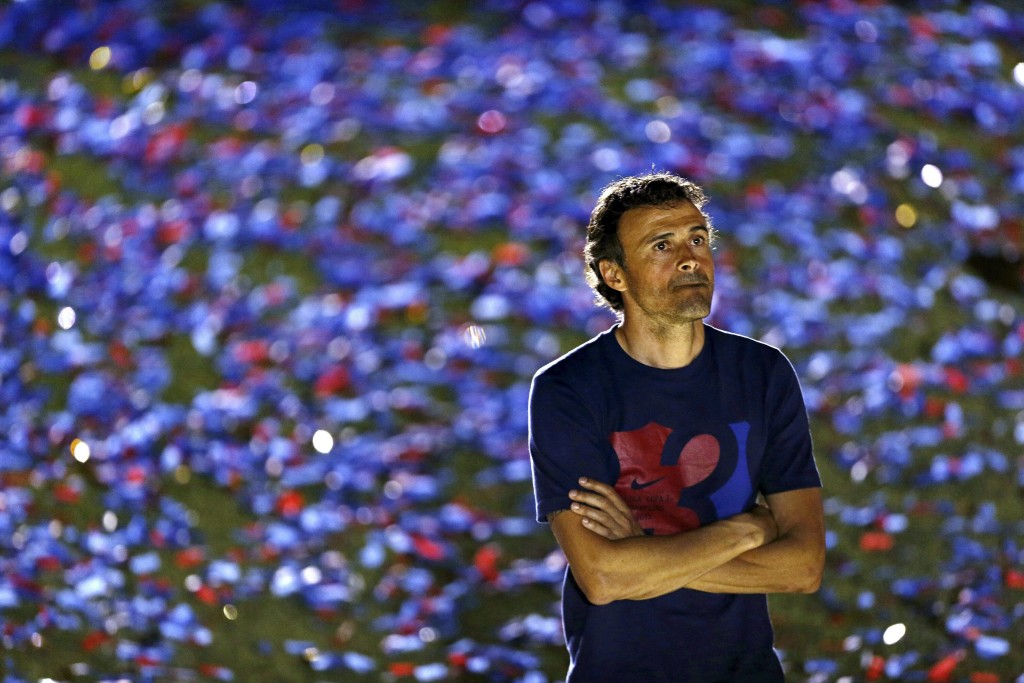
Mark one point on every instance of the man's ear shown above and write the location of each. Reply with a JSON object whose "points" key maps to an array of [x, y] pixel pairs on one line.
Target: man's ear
{"points": [[611, 273]]}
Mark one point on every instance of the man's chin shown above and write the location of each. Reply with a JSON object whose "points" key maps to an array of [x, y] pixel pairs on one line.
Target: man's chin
{"points": [[684, 314], [694, 307]]}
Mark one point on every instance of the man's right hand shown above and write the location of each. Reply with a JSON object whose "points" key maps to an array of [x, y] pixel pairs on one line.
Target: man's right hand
{"points": [[763, 520]]}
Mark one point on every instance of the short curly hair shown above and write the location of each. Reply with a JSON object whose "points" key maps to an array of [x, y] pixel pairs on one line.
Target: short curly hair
{"points": [[652, 189]]}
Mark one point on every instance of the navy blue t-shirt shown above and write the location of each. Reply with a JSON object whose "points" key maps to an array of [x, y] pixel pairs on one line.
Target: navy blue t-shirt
{"points": [[683, 447]]}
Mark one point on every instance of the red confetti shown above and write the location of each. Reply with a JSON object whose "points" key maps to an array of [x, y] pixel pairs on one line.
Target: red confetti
{"points": [[957, 380], [66, 494], [47, 563], [94, 640], [486, 561], [1015, 579], [984, 677], [290, 503], [207, 595], [331, 382], [402, 668], [875, 669], [172, 232], [943, 669], [511, 254], [875, 542], [428, 549], [252, 351]]}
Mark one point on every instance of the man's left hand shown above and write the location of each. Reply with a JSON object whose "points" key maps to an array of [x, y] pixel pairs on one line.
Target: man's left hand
{"points": [[603, 510]]}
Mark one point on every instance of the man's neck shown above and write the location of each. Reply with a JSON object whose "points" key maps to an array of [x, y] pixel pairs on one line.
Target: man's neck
{"points": [[661, 346]]}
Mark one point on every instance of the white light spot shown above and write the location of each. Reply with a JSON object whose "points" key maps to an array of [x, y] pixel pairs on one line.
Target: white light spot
{"points": [[1018, 74], [894, 633], [10, 198], [393, 490], [931, 175], [321, 94], [606, 159], [153, 113], [658, 131], [66, 318], [110, 521], [311, 575], [80, 450], [323, 442], [246, 92], [866, 31], [18, 243], [474, 336]]}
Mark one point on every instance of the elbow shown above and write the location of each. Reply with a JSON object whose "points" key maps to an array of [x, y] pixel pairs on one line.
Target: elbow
{"points": [[600, 578], [596, 587], [813, 575], [811, 584]]}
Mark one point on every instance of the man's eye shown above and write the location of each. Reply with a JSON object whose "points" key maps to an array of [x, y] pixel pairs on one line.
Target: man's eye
{"points": [[698, 241], [661, 246]]}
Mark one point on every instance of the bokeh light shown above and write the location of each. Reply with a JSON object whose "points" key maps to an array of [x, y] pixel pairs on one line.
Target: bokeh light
{"points": [[100, 58], [66, 318], [906, 215], [893, 634], [246, 92], [931, 175], [312, 154], [658, 131], [323, 442], [80, 450], [492, 121], [474, 335]]}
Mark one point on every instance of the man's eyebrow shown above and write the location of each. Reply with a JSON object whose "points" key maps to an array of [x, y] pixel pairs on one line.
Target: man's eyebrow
{"points": [[671, 233], [659, 236]]}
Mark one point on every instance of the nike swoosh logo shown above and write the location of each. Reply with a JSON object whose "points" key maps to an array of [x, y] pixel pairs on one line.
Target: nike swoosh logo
{"points": [[636, 485]]}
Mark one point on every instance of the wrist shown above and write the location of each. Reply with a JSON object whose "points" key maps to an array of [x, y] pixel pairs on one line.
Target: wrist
{"points": [[750, 533]]}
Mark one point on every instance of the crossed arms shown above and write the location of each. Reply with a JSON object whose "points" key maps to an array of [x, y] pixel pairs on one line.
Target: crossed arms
{"points": [[778, 548]]}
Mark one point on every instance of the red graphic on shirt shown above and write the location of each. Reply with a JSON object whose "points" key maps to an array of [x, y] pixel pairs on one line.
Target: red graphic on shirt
{"points": [[652, 489]]}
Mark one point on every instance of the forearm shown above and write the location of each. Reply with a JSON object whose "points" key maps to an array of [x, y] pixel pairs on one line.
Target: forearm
{"points": [[643, 567], [774, 549], [790, 564], [793, 563]]}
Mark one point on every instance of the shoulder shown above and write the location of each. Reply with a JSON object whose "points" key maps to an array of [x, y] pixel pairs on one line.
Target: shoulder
{"points": [[581, 376], [579, 363], [739, 346]]}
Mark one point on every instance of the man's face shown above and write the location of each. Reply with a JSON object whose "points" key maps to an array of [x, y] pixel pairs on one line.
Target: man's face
{"points": [[669, 275]]}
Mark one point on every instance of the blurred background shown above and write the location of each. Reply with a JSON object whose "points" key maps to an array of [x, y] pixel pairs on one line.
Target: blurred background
{"points": [[273, 284]]}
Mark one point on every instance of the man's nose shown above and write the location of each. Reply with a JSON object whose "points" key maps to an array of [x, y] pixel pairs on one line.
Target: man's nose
{"points": [[688, 262]]}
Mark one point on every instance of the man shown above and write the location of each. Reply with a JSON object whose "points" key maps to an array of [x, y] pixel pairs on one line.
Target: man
{"points": [[650, 446]]}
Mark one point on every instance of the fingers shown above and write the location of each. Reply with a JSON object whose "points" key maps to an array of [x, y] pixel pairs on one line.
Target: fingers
{"points": [[612, 526], [603, 497], [763, 517], [603, 511]]}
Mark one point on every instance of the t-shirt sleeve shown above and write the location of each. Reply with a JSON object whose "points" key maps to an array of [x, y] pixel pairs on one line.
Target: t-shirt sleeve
{"points": [[789, 461], [565, 443]]}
